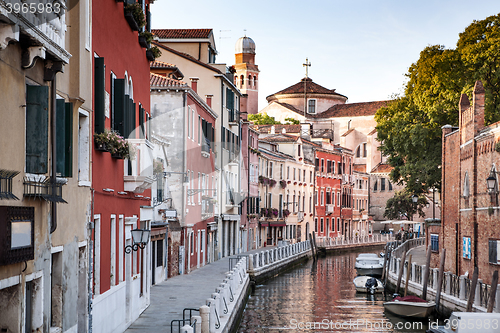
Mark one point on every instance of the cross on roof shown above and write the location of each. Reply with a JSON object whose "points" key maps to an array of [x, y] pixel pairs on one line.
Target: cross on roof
{"points": [[307, 65]]}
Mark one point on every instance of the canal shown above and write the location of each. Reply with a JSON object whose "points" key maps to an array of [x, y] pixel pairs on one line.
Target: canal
{"points": [[320, 297]]}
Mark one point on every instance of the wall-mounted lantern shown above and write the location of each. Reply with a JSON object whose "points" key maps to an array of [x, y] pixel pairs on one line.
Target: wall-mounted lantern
{"points": [[140, 238]]}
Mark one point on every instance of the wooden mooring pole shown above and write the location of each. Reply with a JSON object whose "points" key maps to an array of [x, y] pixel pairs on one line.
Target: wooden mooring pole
{"points": [[408, 270], [313, 246], [426, 273], [400, 274], [440, 278], [472, 291], [493, 292]]}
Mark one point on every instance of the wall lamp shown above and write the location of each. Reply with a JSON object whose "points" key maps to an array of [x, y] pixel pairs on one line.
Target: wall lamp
{"points": [[491, 181], [140, 238]]}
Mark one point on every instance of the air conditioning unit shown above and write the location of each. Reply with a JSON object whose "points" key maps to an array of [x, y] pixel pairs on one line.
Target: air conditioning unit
{"points": [[329, 209]]}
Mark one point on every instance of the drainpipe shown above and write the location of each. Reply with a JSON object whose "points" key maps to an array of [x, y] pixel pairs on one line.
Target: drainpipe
{"points": [[53, 143], [184, 165], [221, 167]]}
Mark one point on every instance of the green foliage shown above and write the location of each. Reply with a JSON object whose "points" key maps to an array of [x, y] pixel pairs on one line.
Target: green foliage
{"points": [[262, 119], [410, 126], [291, 121], [137, 13], [147, 35], [401, 205]]}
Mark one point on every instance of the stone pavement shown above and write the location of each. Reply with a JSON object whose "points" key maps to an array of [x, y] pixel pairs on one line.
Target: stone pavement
{"points": [[418, 254], [170, 297]]}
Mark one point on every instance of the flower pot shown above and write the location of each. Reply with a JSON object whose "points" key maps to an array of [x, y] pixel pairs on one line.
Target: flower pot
{"points": [[100, 146], [150, 55], [117, 156], [131, 21], [143, 42]]}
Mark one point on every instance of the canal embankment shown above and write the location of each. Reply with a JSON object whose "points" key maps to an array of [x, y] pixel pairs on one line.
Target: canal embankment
{"points": [[455, 290]]}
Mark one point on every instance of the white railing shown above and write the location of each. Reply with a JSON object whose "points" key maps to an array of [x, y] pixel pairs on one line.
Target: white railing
{"points": [[268, 258], [329, 242]]}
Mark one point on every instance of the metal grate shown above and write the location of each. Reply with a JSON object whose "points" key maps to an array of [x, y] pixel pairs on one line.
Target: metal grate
{"points": [[6, 184]]}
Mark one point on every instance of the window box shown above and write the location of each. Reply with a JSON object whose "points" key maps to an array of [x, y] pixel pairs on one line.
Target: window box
{"points": [[142, 41], [101, 147], [131, 21]]}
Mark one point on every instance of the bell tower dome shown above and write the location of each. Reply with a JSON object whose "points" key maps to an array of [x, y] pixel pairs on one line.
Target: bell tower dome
{"points": [[246, 76]]}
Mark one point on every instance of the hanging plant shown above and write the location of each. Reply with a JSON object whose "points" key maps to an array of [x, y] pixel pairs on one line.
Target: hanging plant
{"points": [[152, 53], [272, 182], [283, 183], [286, 212], [135, 10]]}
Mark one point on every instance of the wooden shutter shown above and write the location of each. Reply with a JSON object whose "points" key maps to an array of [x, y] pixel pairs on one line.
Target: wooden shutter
{"points": [[119, 106], [99, 95], [64, 138], [492, 253], [37, 122], [142, 131]]}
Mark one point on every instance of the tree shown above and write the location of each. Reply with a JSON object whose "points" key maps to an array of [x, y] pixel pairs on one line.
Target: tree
{"points": [[409, 127], [291, 121], [401, 205], [262, 119]]}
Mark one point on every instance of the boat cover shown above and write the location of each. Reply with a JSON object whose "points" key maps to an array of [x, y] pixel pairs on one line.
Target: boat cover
{"points": [[409, 299]]}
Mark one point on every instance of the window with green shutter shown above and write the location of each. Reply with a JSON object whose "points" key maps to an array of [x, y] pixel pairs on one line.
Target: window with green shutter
{"points": [[64, 138], [120, 104], [37, 132], [99, 95]]}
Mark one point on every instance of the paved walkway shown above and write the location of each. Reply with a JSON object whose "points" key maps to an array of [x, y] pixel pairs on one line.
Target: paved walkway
{"points": [[418, 255], [170, 297]]}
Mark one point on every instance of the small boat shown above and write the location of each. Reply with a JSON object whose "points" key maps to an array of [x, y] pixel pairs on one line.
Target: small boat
{"points": [[368, 284], [410, 306], [468, 322], [369, 264]]}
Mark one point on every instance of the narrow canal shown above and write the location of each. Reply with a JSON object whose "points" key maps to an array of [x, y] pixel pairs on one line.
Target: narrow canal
{"points": [[320, 297]]}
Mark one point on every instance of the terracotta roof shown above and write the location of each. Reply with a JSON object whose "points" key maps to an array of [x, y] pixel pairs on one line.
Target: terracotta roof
{"points": [[182, 33], [382, 168], [373, 132], [186, 56], [348, 132], [359, 167], [156, 80], [161, 64], [352, 110], [265, 129], [280, 137], [311, 88]]}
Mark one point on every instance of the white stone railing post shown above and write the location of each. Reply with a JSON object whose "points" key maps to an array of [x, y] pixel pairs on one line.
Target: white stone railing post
{"points": [[413, 275], [250, 262], [463, 285], [186, 329], [447, 276], [212, 316], [477, 298], [435, 278], [205, 319], [398, 264], [496, 308], [422, 274], [197, 325]]}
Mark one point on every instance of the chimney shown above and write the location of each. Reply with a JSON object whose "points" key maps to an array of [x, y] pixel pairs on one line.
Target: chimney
{"points": [[194, 83], [478, 106], [209, 100]]}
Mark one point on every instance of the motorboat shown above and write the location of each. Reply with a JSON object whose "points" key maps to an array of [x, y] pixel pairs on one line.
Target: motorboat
{"points": [[368, 284], [468, 322], [410, 306], [369, 264]]}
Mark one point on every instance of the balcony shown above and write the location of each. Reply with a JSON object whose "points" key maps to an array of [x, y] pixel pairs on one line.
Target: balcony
{"points": [[41, 187], [44, 28], [138, 174], [234, 116]]}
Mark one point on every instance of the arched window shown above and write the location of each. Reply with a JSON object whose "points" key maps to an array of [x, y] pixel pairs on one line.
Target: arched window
{"points": [[249, 81], [236, 80], [358, 151], [255, 81], [242, 81], [375, 185]]}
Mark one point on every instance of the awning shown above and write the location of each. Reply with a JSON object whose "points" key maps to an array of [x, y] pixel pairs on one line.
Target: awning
{"points": [[277, 224]]}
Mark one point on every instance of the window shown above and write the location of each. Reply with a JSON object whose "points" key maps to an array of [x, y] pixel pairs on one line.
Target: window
{"points": [[311, 106], [199, 130], [317, 164], [434, 242], [310, 177], [382, 184], [316, 224], [375, 185], [281, 171], [299, 150], [299, 174], [321, 199], [358, 151], [64, 138], [390, 185], [493, 246], [270, 175], [304, 176], [294, 171], [37, 122], [328, 198], [322, 226], [322, 165], [287, 172], [466, 248], [365, 151]]}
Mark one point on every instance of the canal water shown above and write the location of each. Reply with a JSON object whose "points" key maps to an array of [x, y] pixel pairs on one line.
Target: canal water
{"points": [[320, 297]]}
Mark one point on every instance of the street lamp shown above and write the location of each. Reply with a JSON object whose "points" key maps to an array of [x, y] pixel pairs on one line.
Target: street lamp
{"points": [[414, 198], [491, 182], [140, 238]]}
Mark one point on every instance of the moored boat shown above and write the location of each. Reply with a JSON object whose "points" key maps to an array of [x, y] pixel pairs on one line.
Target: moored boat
{"points": [[369, 264], [410, 306], [368, 284]]}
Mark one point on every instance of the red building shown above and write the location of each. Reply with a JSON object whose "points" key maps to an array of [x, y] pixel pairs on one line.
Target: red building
{"points": [[333, 214], [120, 176]]}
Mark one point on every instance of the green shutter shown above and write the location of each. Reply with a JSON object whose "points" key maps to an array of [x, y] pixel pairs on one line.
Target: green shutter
{"points": [[141, 123], [64, 138], [99, 95], [37, 122], [119, 106]]}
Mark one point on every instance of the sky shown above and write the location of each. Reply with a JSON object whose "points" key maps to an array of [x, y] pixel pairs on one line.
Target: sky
{"points": [[361, 48]]}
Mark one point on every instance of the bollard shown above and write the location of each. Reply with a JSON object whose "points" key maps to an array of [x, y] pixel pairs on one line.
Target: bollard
{"points": [[462, 287], [205, 318], [413, 275], [197, 325], [186, 329], [477, 298]]}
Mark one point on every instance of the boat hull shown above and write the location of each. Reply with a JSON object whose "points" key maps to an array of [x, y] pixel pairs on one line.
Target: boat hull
{"points": [[410, 309], [372, 271]]}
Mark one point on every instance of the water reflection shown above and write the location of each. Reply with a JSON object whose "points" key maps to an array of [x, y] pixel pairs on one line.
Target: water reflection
{"points": [[320, 297]]}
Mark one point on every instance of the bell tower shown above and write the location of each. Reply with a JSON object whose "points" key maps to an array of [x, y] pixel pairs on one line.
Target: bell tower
{"points": [[246, 76]]}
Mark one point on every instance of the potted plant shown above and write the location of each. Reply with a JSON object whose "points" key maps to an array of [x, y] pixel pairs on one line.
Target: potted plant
{"points": [[286, 212], [101, 140], [152, 53], [283, 183], [274, 213], [272, 182], [145, 38], [134, 16]]}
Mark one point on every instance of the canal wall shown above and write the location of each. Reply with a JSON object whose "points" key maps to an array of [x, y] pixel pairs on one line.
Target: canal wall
{"points": [[454, 290]]}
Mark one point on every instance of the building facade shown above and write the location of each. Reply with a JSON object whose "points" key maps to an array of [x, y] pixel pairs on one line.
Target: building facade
{"points": [[470, 208], [45, 168]]}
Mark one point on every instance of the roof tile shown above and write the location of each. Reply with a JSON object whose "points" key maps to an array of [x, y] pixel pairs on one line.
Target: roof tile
{"points": [[182, 33]]}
